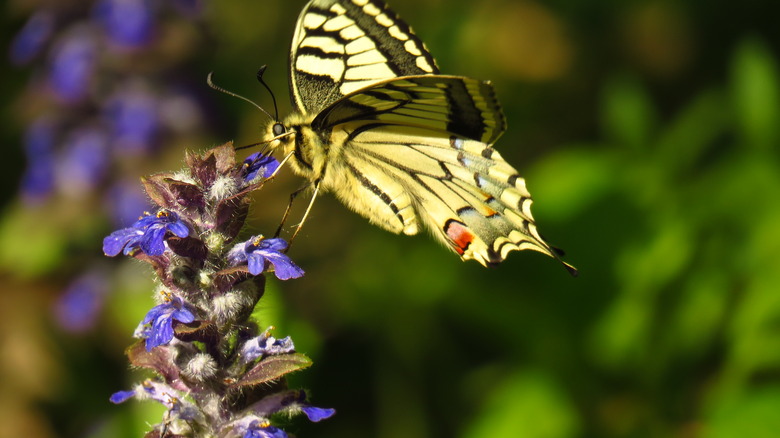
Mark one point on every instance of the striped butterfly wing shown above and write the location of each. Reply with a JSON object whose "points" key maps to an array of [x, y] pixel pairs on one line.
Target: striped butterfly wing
{"points": [[341, 46], [447, 104], [417, 152]]}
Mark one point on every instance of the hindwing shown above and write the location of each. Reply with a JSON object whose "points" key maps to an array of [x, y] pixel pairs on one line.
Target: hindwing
{"points": [[406, 177]]}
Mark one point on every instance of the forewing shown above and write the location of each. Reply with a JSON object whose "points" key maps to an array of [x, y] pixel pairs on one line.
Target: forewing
{"points": [[340, 46], [448, 105]]}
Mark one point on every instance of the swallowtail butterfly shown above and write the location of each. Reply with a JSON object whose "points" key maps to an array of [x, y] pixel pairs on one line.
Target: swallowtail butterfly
{"points": [[376, 124]]}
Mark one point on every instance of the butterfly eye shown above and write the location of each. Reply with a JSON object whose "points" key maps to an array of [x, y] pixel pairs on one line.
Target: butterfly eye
{"points": [[278, 129]]}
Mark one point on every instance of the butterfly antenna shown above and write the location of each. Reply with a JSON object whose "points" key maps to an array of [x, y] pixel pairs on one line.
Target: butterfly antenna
{"points": [[210, 82], [260, 74]]}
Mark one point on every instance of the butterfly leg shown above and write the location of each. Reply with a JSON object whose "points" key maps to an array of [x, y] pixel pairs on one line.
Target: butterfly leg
{"points": [[306, 214], [287, 210]]}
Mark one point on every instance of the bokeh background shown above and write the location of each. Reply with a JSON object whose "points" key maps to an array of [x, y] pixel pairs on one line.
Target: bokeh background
{"points": [[648, 133]]}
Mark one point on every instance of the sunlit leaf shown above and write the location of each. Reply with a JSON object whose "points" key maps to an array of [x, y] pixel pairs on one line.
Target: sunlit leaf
{"points": [[752, 414], [627, 113], [528, 405], [756, 93]]}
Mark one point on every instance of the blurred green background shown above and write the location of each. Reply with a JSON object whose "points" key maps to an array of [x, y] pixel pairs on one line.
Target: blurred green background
{"points": [[648, 134]]}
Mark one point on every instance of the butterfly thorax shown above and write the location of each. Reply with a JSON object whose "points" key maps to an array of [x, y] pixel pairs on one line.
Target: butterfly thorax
{"points": [[311, 150]]}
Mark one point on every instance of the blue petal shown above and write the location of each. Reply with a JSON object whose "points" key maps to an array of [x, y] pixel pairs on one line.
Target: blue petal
{"points": [[284, 268], [183, 315], [155, 312], [274, 244], [161, 333], [121, 396], [146, 221], [316, 414], [116, 241], [178, 228], [256, 263], [152, 242], [256, 162]]}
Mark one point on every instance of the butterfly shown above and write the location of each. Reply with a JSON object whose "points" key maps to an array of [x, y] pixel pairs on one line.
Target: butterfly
{"points": [[375, 123]]}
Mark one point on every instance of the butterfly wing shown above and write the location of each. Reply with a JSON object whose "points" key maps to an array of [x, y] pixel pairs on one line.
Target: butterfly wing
{"points": [[342, 46], [416, 150], [448, 105]]}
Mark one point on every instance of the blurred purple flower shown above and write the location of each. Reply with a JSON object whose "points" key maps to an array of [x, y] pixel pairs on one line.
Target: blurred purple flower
{"points": [[124, 200], [127, 23], [160, 321], [78, 308], [260, 253], [31, 39], [257, 162], [147, 233], [39, 142], [73, 64], [84, 161], [192, 8], [134, 119]]}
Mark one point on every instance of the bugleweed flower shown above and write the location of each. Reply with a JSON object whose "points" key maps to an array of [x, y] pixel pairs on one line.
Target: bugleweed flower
{"points": [[258, 164], [147, 234], [260, 254], [157, 326], [218, 376]]}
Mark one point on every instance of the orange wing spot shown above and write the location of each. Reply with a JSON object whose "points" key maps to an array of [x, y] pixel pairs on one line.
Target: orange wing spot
{"points": [[487, 211], [459, 235]]}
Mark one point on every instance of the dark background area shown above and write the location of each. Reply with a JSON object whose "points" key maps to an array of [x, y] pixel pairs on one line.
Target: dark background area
{"points": [[647, 132]]}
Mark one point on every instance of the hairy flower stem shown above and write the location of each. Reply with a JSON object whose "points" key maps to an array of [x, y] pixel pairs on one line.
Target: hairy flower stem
{"points": [[216, 372]]}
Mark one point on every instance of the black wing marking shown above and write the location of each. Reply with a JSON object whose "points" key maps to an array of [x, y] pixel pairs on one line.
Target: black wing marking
{"points": [[340, 46], [455, 105]]}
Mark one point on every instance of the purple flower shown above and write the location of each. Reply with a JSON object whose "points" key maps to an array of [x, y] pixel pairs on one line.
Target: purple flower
{"points": [[160, 322], [134, 119], [124, 200], [121, 396], [266, 345], [128, 23], [316, 414], [73, 65], [263, 429], [260, 253], [178, 407], [38, 180], [84, 161], [257, 162], [147, 233], [29, 42], [79, 306]]}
